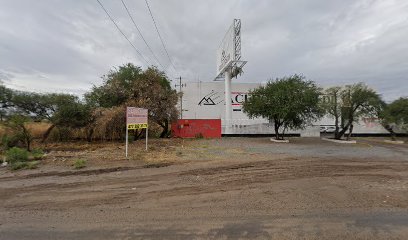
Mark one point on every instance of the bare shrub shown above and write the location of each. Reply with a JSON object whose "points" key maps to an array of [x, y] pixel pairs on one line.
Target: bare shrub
{"points": [[110, 123]]}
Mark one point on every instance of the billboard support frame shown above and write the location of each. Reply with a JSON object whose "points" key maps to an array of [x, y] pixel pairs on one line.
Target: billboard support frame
{"points": [[230, 45], [229, 64], [235, 67]]}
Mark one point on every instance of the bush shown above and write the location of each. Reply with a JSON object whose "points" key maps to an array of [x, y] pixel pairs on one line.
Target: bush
{"points": [[8, 141], [18, 165], [60, 134], [37, 154], [15, 154], [110, 123], [32, 164], [5, 142], [24, 165], [79, 163], [17, 124]]}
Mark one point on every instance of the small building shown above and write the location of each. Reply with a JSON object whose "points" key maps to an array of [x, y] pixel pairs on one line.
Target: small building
{"points": [[205, 100]]}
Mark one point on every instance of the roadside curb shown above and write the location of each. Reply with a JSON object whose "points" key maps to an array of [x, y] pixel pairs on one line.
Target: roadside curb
{"points": [[394, 142], [279, 141], [339, 141]]}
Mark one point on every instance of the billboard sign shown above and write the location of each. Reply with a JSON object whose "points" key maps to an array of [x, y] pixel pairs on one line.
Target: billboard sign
{"points": [[226, 50], [136, 118]]}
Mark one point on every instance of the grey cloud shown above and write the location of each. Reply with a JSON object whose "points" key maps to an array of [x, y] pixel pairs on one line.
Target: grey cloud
{"points": [[5, 77], [67, 45]]}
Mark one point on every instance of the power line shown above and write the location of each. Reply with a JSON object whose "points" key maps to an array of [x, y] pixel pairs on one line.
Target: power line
{"points": [[124, 35], [161, 39], [141, 35]]}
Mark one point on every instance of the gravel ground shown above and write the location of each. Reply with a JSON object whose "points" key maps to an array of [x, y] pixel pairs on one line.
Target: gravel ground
{"points": [[230, 188]]}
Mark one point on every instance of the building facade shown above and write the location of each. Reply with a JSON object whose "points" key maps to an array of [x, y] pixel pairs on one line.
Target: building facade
{"points": [[205, 100]]}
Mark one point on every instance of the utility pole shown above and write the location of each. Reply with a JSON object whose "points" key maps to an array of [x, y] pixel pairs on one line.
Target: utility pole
{"points": [[180, 85]]}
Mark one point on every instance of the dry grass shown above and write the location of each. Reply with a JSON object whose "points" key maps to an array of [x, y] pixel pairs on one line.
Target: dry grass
{"points": [[163, 156], [110, 123], [37, 129], [2, 130], [162, 152]]}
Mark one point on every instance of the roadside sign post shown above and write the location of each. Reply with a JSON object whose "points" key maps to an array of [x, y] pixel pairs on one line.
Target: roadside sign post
{"points": [[136, 118], [127, 140]]}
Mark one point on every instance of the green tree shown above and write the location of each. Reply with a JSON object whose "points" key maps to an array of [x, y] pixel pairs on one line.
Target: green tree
{"points": [[18, 124], [117, 87], [348, 104], [128, 85], [290, 102], [395, 116], [6, 95], [61, 110], [330, 104], [159, 98]]}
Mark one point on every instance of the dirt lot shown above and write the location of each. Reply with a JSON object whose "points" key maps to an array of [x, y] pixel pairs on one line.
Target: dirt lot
{"points": [[232, 188]]}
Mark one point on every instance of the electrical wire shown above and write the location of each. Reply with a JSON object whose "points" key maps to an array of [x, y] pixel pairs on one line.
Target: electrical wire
{"points": [[124, 35], [161, 39], [141, 35]]}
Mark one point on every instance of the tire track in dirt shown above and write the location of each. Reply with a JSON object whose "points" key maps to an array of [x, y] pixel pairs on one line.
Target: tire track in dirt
{"points": [[70, 173], [231, 177]]}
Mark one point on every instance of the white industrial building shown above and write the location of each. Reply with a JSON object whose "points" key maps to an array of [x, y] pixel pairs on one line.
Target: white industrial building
{"points": [[206, 100]]}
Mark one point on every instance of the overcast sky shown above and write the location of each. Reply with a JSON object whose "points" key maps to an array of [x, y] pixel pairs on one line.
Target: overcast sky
{"points": [[66, 46]]}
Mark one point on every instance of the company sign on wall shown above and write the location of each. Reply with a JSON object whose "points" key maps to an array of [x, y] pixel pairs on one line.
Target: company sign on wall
{"points": [[205, 100], [214, 98]]}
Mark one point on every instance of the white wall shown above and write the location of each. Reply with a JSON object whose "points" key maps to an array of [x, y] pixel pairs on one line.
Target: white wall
{"points": [[205, 100]]}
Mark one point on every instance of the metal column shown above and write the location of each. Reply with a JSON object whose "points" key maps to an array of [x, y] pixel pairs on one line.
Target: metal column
{"points": [[228, 104]]}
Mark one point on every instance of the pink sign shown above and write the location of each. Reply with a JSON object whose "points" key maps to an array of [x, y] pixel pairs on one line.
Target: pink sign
{"points": [[136, 115]]}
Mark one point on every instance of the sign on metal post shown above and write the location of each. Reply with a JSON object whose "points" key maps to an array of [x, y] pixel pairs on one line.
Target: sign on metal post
{"points": [[226, 50], [136, 118], [229, 64], [229, 52]]}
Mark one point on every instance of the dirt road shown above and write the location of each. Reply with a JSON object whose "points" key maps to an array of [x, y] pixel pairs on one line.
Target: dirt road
{"points": [[236, 188]]}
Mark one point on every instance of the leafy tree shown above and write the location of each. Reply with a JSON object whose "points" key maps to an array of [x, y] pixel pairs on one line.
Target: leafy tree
{"points": [[130, 86], [289, 102], [395, 115], [61, 110], [41, 106], [329, 103], [159, 98], [117, 87], [18, 124], [6, 95], [348, 104]]}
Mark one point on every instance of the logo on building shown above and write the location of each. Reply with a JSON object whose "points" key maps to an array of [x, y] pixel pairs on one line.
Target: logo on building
{"points": [[206, 101], [213, 98]]}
